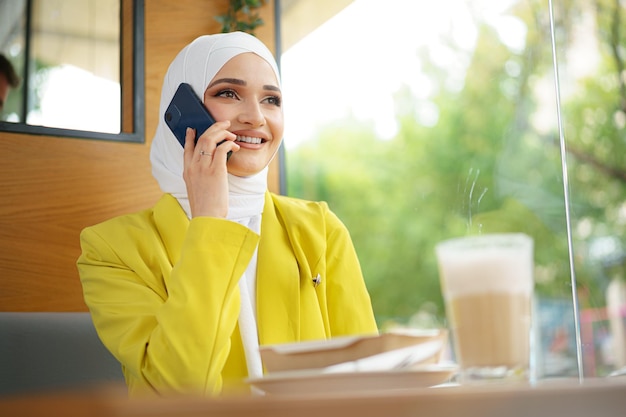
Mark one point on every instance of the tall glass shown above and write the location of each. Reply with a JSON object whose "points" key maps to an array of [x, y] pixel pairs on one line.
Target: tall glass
{"points": [[487, 284]]}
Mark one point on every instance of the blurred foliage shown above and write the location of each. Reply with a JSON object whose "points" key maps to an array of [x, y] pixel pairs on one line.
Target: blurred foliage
{"points": [[241, 16], [486, 165]]}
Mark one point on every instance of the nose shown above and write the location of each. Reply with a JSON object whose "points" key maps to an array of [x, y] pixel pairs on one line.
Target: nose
{"points": [[252, 114]]}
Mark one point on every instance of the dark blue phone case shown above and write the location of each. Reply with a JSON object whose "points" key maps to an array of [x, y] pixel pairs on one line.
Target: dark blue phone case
{"points": [[187, 110]]}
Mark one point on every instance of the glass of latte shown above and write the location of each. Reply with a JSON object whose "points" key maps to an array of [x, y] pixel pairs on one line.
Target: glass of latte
{"points": [[487, 284]]}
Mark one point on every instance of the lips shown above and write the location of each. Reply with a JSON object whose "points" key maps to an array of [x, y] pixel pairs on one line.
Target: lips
{"points": [[249, 139]]}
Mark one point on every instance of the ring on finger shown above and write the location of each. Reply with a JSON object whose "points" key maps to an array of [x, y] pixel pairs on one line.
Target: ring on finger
{"points": [[202, 153]]}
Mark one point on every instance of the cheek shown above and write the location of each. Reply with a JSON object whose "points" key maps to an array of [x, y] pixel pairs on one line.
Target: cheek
{"points": [[219, 113], [277, 124]]}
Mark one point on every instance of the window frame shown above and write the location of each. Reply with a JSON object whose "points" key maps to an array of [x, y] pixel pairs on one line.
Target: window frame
{"points": [[134, 111]]}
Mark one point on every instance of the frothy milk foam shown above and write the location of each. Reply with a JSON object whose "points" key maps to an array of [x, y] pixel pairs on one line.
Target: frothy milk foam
{"points": [[477, 269]]}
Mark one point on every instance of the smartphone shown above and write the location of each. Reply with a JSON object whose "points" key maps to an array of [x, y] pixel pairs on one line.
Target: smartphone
{"points": [[187, 110]]}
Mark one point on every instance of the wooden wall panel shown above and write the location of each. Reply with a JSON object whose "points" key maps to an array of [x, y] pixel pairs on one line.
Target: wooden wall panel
{"points": [[51, 188]]}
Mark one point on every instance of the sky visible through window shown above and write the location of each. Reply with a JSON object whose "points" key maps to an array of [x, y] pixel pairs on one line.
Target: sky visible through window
{"points": [[356, 61]]}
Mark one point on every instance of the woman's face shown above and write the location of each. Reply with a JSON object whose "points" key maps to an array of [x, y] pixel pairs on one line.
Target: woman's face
{"points": [[245, 91]]}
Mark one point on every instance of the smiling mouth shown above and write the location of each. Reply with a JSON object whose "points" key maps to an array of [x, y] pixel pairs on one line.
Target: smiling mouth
{"points": [[249, 139]]}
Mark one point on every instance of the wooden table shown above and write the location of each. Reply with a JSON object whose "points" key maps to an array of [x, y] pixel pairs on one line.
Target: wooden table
{"points": [[592, 398]]}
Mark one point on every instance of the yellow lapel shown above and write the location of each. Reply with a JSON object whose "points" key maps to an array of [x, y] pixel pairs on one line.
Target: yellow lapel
{"points": [[278, 281]]}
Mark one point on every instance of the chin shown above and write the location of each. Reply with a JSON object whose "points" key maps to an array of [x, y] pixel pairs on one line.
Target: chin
{"points": [[241, 169]]}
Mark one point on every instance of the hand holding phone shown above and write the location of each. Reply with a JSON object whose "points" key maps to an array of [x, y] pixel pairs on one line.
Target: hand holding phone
{"points": [[187, 110]]}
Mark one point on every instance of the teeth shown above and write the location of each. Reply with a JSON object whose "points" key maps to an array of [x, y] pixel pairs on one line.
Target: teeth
{"points": [[248, 139]]}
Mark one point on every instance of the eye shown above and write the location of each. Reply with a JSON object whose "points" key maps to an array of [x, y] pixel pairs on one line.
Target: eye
{"points": [[226, 94], [274, 100]]}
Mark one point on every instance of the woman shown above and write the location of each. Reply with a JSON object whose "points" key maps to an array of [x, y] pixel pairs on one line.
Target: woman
{"points": [[184, 293]]}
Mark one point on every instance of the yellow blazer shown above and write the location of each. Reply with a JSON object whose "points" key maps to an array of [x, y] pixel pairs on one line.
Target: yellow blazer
{"points": [[163, 290]]}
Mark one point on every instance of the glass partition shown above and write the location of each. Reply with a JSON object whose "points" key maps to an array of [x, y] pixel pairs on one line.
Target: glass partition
{"points": [[591, 57], [419, 121]]}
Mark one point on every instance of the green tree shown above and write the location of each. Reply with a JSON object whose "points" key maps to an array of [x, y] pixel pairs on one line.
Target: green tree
{"points": [[484, 166]]}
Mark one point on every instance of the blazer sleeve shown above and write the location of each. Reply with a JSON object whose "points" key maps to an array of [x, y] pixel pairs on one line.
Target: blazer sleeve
{"points": [[169, 325]]}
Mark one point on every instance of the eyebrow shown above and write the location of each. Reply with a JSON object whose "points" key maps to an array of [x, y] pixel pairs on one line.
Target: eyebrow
{"points": [[237, 81]]}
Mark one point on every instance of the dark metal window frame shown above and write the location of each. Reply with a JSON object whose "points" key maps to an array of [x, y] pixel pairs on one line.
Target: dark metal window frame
{"points": [[138, 133]]}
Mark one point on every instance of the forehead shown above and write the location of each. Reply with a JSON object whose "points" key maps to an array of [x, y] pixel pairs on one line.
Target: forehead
{"points": [[248, 66]]}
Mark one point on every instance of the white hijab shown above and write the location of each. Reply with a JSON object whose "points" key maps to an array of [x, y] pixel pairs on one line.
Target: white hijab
{"points": [[196, 65]]}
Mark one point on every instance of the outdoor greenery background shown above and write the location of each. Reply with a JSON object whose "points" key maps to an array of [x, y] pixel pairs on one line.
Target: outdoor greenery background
{"points": [[487, 165]]}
